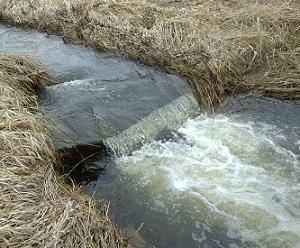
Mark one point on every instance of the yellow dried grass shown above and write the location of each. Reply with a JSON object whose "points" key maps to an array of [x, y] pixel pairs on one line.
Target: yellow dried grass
{"points": [[38, 209], [216, 45]]}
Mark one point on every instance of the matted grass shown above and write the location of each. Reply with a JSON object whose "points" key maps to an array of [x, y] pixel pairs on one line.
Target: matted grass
{"points": [[220, 47], [37, 207]]}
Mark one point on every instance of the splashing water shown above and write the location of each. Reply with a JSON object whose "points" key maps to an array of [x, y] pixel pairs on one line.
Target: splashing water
{"points": [[226, 176], [227, 181]]}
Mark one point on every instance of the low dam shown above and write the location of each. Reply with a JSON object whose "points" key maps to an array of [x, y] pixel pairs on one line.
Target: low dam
{"points": [[102, 95], [181, 177]]}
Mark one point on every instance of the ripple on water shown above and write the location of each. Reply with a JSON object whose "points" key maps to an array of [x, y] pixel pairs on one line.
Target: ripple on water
{"points": [[239, 177]]}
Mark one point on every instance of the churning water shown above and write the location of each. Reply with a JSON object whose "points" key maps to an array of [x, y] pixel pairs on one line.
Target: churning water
{"points": [[229, 180]]}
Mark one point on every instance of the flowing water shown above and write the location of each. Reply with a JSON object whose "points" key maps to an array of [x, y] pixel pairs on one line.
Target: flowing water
{"points": [[101, 94], [227, 180], [72, 63]]}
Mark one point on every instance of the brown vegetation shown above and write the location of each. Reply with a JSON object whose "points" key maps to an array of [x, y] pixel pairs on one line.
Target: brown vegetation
{"points": [[38, 209], [220, 47]]}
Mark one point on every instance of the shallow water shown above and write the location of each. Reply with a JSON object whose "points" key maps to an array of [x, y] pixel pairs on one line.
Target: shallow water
{"points": [[70, 62], [228, 180], [100, 94]]}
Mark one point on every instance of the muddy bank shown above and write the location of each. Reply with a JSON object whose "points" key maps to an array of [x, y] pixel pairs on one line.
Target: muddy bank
{"points": [[38, 208], [220, 47]]}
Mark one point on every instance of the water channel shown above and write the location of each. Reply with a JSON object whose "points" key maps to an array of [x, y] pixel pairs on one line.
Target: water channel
{"points": [[227, 180]]}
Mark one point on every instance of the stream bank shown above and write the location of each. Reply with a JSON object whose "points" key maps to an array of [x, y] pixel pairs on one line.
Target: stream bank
{"points": [[149, 177], [38, 207], [251, 45]]}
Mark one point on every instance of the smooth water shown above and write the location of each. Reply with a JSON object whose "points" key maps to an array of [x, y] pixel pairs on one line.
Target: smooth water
{"points": [[100, 94], [228, 180], [70, 62]]}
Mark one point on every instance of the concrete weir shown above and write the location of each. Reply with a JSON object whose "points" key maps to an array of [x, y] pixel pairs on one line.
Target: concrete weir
{"points": [[167, 118], [96, 117], [103, 100]]}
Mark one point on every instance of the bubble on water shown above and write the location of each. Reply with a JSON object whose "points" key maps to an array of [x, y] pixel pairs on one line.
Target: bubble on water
{"points": [[234, 175]]}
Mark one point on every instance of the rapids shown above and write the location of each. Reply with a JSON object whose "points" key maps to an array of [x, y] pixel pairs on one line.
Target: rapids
{"points": [[228, 180]]}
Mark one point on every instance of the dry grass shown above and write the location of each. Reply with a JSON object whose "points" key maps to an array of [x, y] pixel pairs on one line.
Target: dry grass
{"points": [[37, 208], [220, 47]]}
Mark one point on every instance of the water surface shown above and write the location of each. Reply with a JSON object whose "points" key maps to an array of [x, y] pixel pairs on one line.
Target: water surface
{"points": [[100, 94], [71, 62], [227, 180]]}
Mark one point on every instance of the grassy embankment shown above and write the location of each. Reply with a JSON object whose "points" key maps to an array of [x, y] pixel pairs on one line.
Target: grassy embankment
{"points": [[220, 47], [37, 207]]}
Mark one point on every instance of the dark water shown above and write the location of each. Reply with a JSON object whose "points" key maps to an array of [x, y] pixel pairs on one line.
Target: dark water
{"points": [[69, 62], [100, 95], [228, 180]]}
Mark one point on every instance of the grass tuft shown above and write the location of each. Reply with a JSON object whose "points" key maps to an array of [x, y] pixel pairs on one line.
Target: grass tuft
{"points": [[38, 209], [220, 47]]}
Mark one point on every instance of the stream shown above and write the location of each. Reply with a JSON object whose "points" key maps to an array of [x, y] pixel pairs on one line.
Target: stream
{"points": [[231, 179], [228, 180]]}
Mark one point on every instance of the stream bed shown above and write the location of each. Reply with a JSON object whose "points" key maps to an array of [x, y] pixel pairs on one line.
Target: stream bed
{"points": [[231, 179]]}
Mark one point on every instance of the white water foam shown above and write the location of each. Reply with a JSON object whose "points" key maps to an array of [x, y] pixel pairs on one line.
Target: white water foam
{"points": [[239, 177]]}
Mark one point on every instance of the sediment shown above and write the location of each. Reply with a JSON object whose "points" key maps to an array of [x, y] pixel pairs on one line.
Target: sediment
{"points": [[40, 207], [220, 47]]}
